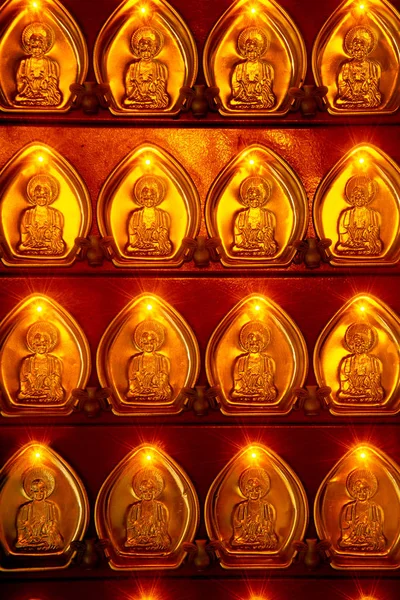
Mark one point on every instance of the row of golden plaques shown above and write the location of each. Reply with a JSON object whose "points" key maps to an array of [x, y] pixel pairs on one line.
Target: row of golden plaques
{"points": [[257, 207], [256, 359], [147, 510], [145, 53]]}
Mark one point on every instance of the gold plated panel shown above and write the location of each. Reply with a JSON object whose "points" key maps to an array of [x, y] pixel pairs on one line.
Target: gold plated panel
{"points": [[356, 56], [44, 206], [146, 53], [357, 355], [147, 509], [148, 205], [147, 356], [42, 52], [254, 54], [357, 509], [43, 509], [256, 358], [44, 355], [357, 206], [255, 509], [258, 207]]}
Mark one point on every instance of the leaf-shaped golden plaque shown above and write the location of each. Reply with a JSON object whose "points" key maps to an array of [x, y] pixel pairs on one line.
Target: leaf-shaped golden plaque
{"points": [[148, 205], [147, 355], [147, 509], [146, 53], [357, 206], [44, 206], [258, 207], [256, 358], [255, 509], [254, 54], [357, 355], [43, 509], [356, 55], [42, 52], [44, 355], [357, 509]]}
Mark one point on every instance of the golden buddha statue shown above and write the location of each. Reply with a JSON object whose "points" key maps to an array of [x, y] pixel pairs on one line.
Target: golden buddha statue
{"points": [[361, 520], [146, 78], [360, 372], [149, 370], [42, 226], [38, 520], [252, 78], [254, 227], [359, 226], [40, 373], [254, 371], [358, 78], [149, 227], [147, 522], [38, 77], [254, 518]]}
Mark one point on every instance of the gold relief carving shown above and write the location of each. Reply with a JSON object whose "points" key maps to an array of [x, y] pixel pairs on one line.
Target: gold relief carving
{"points": [[146, 86], [147, 509], [42, 53], [43, 234], [169, 209], [245, 355], [254, 510], [41, 382], [357, 510], [258, 207], [150, 381], [356, 56], [254, 54], [357, 356], [357, 206], [43, 510]]}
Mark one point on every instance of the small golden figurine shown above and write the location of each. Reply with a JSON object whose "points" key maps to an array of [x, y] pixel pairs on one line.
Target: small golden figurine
{"points": [[38, 76], [359, 226], [40, 374], [358, 78], [149, 227], [149, 369], [361, 521], [146, 78], [254, 227], [360, 372], [147, 522], [254, 518], [42, 227], [254, 370], [252, 78], [38, 520]]}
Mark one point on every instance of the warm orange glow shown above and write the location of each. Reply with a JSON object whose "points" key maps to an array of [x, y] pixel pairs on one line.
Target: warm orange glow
{"points": [[257, 307], [39, 309], [35, 4], [252, 161], [149, 307], [149, 457], [362, 308], [361, 160], [40, 158], [143, 9], [362, 454], [361, 6], [147, 161]]}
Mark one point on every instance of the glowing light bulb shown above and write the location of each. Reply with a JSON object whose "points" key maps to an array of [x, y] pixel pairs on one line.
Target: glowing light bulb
{"points": [[149, 307], [39, 309], [35, 4], [362, 454]]}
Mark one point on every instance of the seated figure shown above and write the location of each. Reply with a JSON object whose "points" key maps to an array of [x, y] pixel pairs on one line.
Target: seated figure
{"points": [[359, 226], [38, 528], [149, 227], [147, 521], [361, 520], [360, 372], [40, 373], [149, 370], [254, 227], [358, 78], [254, 371], [252, 78], [254, 519], [41, 227], [38, 76], [146, 78]]}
